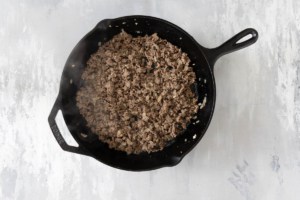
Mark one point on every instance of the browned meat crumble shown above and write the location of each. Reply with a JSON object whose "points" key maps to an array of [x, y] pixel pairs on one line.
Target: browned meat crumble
{"points": [[136, 94]]}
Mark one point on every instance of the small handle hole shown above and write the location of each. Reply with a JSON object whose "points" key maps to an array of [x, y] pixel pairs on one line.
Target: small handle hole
{"points": [[64, 130], [245, 38]]}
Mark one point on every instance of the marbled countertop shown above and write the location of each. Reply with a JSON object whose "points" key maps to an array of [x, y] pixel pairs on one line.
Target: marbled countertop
{"points": [[251, 150]]}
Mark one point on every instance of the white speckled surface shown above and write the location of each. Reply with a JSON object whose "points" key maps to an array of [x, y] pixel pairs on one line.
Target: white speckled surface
{"points": [[250, 151]]}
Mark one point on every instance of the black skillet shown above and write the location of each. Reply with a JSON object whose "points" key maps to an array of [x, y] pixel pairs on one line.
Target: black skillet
{"points": [[202, 61]]}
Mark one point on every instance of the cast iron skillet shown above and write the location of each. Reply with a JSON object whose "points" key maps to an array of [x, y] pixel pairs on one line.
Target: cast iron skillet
{"points": [[202, 61]]}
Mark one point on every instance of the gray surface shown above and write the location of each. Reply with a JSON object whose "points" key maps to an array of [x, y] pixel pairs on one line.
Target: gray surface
{"points": [[250, 151]]}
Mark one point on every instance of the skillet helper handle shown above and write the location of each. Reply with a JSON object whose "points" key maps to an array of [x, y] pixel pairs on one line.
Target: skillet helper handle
{"points": [[57, 134], [232, 45]]}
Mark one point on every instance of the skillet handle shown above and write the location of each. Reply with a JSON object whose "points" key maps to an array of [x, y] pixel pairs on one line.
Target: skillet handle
{"points": [[231, 45], [56, 132]]}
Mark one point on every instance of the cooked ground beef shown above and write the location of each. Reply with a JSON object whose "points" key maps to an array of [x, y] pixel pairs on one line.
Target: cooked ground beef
{"points": [[137, 93]]}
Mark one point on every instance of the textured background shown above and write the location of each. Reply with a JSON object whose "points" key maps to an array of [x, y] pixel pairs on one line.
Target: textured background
{"points": [[250, 151]]}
